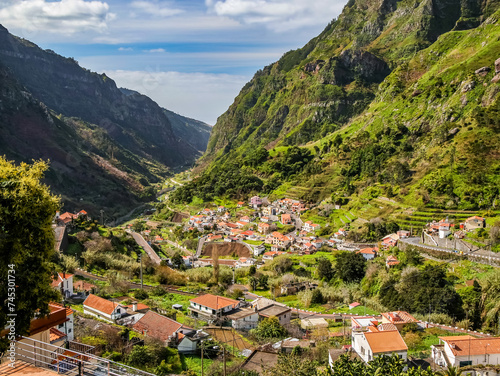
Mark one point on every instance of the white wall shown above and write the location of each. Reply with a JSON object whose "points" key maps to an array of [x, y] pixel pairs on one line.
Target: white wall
{"points": [[485, 358]]}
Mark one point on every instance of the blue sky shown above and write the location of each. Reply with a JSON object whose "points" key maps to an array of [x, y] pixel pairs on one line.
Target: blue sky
{"points": [[190, 56]]}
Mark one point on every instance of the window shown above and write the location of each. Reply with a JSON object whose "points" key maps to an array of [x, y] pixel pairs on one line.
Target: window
{"points": [[69, 330], [465, 363]]}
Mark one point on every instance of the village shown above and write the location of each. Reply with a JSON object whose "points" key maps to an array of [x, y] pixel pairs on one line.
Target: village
{"points": [[201, 324]]}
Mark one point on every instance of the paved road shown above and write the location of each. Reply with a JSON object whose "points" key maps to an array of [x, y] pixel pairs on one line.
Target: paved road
{"points": [[144, 244], [200, 246], [482, 256]]}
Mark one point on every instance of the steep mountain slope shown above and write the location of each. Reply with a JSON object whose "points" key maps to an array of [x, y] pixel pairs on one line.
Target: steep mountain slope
{"points": [[107, 146], [196, 133], [387, 95], [133, 121], [79, 153]]}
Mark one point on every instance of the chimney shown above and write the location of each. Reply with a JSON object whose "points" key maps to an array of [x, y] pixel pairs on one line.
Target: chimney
{"points": [[134, 307]]}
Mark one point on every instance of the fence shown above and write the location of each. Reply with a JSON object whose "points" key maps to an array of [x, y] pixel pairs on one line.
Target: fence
{"points": [[70, 362]]}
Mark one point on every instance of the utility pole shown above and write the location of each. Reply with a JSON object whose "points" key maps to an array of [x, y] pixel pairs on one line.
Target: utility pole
{"points": [[224, 357], [201, 358], [140, 259]]}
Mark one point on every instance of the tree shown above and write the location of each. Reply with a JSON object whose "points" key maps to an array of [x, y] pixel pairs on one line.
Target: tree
{"points": [[350, 266], [253, 283], [325, 268], [269, 328], [177, 260], [26, 244], [292, 365], [317, 297]]}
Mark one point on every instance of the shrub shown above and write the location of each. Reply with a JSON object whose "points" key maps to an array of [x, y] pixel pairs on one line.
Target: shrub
{"points": [[141, 295]]}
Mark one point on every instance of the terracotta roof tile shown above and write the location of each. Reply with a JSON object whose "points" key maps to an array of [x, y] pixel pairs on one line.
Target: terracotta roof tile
{"points": [[214, 301], [100, 304], [56, 335], [385, 341], [157, 326], [465, 345]]}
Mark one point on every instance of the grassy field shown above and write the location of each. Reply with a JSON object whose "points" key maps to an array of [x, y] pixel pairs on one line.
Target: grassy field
{"points": [[252, 242]]}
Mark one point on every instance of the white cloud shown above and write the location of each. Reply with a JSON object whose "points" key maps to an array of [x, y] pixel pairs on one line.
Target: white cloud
{"points": [[278, 15], [197, 95], [155, 50], [155, 9], [125, 49], [64, 16]]}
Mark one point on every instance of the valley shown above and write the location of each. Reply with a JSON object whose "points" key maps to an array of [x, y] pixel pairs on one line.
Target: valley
{"points": [[341, 217]]}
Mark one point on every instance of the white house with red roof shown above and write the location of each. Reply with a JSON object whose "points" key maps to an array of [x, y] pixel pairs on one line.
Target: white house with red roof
{"points": [[103, 308], [210, 306], [286, 219], [391, 261], [474, 222], [278, 240], [368, 253], [371, 343], [221, 209], [398, 318], [64, 283], [310, 227], [264, 228], [157, 326], [461, 351]]}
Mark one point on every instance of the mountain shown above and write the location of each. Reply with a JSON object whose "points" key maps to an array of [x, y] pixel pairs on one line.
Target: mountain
{"points": [[393, 94], [99, 138]]}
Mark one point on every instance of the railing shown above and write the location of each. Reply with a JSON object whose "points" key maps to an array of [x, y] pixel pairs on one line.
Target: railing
{"points": [[70, 362]]}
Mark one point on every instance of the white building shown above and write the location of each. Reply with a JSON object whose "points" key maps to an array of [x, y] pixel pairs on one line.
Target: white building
{"points": [[210, 306], [372, 343], [102, 308], [244, 319], [466, 350], [64, 283]]}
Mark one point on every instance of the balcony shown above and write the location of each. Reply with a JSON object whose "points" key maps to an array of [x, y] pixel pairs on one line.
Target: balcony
{"points": [[32, 353]]}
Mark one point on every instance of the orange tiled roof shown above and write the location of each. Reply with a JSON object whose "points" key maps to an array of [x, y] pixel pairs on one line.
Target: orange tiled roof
{"points": [[56, 335], [370, 251], [386, 326], [100, 304], [82, 285], [385, 341], [399, 317], [157, 326], [214, 301], [468, 345], [60, 278]]}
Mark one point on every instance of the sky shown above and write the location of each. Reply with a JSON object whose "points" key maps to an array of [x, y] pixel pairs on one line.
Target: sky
{"points": [[190, 56]]}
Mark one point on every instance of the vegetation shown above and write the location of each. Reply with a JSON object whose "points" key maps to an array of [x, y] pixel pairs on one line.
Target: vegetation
{"points": [[26, 245]]}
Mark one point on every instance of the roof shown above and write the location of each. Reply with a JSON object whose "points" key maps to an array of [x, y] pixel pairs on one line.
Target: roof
{"points": [[291, 343], [336, 353], [260, 360], [157, 326], [241, 313], [214, 301], [475, 217], [354, 304], [99, 304], [314, 323], [82, 285], [399, 317], [60, 278], [385, 341], [273, 310], [368, 251], [140, 306], [56, 335], [468, 345], [387, 326]]}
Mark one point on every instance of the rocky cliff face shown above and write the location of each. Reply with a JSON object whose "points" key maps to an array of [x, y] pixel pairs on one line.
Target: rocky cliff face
{"points": [[393, 97], [134, 121], [317, 89]]}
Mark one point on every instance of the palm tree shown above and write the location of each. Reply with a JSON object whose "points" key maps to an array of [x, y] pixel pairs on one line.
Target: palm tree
{"points": [[450, 371]]}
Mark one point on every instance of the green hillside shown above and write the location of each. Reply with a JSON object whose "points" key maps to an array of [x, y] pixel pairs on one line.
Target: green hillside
{"points": [[386, 97]]}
